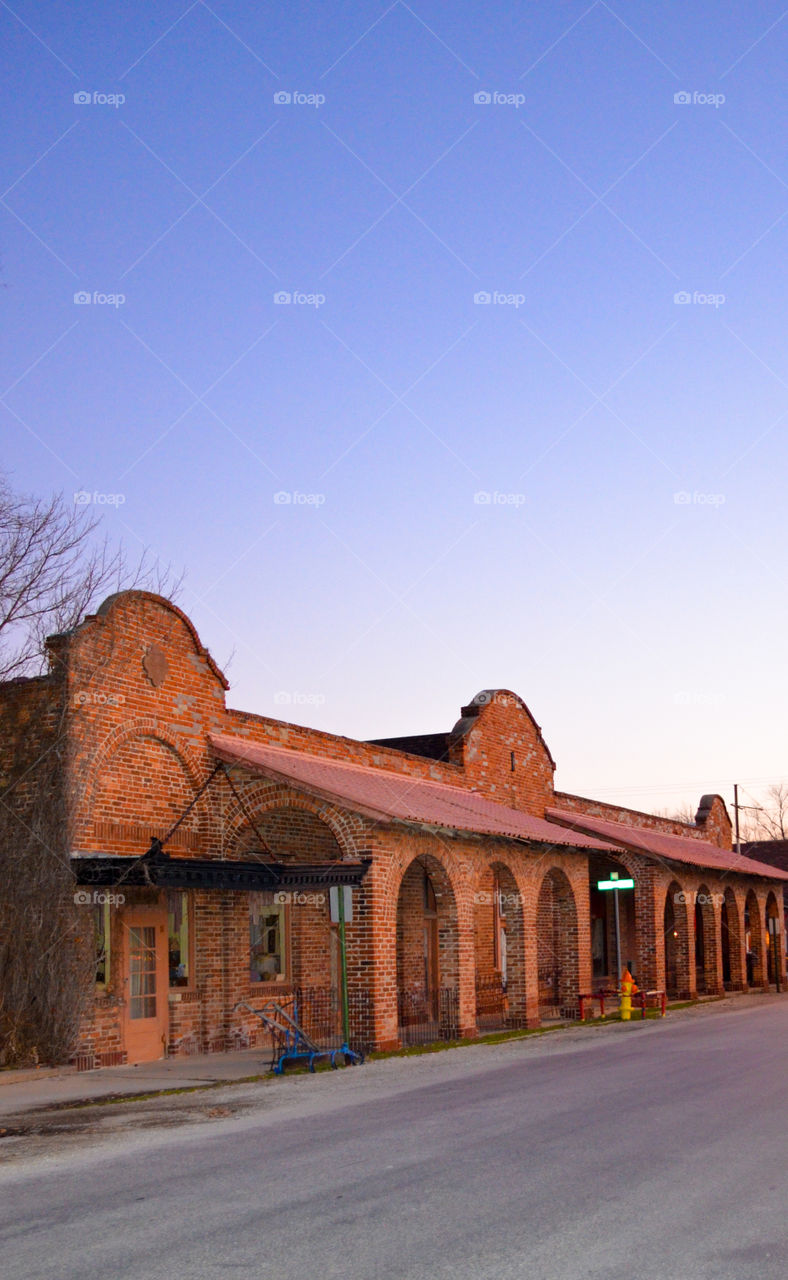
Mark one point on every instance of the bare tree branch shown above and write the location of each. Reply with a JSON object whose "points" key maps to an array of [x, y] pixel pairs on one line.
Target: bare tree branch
{"points": [[54, 568], [770, 822]]}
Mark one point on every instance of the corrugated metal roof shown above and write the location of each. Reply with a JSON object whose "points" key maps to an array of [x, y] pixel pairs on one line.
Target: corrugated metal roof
{"points": [[660, 844], [388, 796]]}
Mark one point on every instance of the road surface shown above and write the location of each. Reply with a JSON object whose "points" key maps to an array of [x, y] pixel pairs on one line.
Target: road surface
{"points": [[640, 1152]]}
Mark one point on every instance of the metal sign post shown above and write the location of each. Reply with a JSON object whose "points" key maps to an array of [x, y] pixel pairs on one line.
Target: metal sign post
{"points": [[615, 884], [337, 901]]}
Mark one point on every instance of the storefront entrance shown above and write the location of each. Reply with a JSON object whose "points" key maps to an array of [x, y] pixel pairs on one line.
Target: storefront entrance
{"points": [[145, 982]]}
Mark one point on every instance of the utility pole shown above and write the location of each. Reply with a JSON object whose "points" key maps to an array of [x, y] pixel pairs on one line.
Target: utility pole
{"points": [[756, 808]]}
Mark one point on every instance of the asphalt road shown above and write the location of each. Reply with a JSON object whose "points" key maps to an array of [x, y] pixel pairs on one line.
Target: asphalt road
{"points": [[647, 1152]]}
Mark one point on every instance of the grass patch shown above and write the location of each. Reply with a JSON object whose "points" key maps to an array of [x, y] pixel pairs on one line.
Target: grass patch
{"points": [[412, 1051]]}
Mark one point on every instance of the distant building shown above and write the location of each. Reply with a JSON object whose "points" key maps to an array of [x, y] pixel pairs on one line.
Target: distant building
{"points": [[206, 840]]}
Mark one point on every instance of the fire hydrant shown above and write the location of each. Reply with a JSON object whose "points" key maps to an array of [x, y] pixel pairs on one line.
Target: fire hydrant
{"points": [[628, 990]]}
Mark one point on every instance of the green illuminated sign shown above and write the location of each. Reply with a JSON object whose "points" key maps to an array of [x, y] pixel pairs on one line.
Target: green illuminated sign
{"points": [[615, 884]]}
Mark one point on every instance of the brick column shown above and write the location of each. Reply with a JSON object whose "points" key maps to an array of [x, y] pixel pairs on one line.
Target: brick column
{"points": [[466, 958], [649, 922]]}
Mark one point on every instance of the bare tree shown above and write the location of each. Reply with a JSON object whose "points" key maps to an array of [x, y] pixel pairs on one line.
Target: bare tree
{"points": [[682, 813], [771, 821], [54, 567]]}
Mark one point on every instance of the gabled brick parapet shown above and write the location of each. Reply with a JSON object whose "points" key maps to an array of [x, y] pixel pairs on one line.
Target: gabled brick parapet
{"points": [[712, 822]]}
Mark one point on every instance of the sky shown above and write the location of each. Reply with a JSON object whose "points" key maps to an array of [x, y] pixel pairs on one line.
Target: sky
{"points": [[441, 346]]}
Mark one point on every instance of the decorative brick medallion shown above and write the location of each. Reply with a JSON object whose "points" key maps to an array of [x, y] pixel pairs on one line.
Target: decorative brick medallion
{"points": [[155, 665]]}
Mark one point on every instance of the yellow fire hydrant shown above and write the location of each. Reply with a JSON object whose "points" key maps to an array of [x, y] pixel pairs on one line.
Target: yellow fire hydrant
{"points": [[628, 990]]}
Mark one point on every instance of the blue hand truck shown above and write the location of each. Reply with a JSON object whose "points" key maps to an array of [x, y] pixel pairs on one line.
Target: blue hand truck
{"points": [[290, 1043]]}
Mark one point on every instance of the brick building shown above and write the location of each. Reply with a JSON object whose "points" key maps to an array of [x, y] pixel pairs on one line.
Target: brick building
{"points": [[205, 842]]}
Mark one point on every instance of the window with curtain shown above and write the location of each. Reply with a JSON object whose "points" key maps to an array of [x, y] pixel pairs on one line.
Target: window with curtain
{"points": [[178, 937], [267, 960]]}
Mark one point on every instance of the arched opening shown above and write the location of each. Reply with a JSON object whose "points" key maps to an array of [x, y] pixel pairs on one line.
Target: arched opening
{"points": [[774, 942], [705, 943], [700, 951], [731, 942], [676, 936], [613, 934], [557, 945], [754, 942], [499, 950], [294, 946], [427, 954]]}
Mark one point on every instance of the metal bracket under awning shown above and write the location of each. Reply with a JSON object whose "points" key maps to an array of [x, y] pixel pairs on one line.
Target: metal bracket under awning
{"points": [[162, 871]]}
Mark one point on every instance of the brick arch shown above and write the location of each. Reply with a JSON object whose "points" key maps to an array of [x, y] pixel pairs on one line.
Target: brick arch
{"points": [[292, 833], [511, 920], [557, 941], [460, 874], [427, 937], [633, 931], [142, 727], [262, 798], [95, 770], [676, 942], [773, 948]]}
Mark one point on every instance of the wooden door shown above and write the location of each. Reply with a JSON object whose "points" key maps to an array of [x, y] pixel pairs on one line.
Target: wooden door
{"points": [[145, 982]]}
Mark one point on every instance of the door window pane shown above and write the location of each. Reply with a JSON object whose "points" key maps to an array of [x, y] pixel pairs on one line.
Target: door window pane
{"points": [[142, 966]]}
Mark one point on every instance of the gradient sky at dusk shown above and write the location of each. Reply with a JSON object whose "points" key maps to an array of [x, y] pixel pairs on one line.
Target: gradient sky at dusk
{"points": [[574, 490]]}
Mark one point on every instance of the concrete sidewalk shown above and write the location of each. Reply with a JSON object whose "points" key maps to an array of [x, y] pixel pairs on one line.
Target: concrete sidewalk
{"points": [[49, 1086], [27, 1090]]}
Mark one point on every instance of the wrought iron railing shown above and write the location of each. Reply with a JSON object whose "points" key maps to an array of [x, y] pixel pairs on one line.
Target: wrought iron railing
{"points": [[319, 1012], [427, 1016], [492, 1004]]}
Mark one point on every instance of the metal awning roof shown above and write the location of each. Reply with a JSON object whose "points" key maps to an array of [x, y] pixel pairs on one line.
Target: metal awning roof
{"points": [[663, 845], [387, 796], [164, 872]]}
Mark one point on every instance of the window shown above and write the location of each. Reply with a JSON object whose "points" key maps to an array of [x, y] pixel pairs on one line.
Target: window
{"points": [[499, 931], [142, 971], [178, 938], [266, 940], [101, 934]]}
